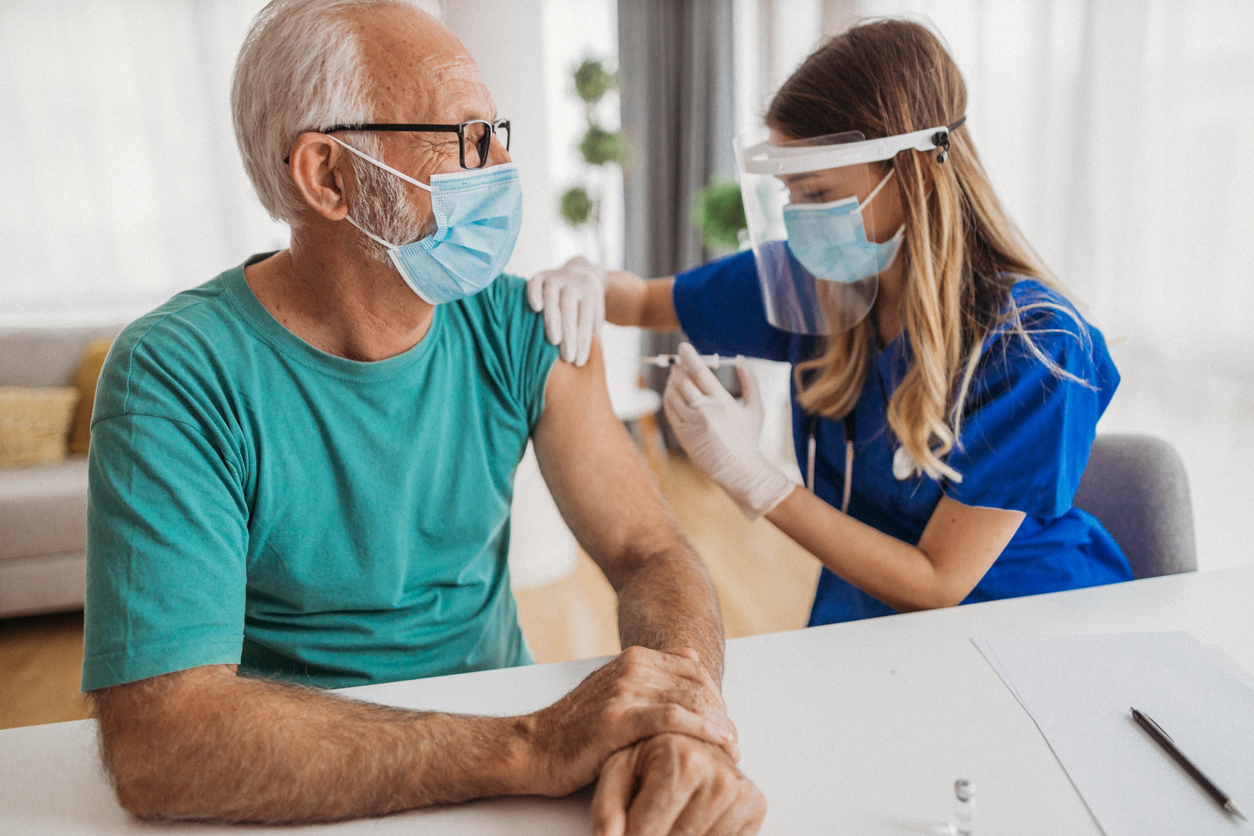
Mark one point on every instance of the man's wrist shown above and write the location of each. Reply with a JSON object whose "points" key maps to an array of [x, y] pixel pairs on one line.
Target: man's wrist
{"points": [[523, 768], [505, 760]]}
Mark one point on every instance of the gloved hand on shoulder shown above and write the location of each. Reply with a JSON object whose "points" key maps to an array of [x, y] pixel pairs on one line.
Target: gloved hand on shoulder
{"points": [[573, 300]]}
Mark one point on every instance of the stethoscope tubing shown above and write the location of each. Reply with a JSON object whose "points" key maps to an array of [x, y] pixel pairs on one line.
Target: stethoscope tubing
{"points": [[812, 449]]}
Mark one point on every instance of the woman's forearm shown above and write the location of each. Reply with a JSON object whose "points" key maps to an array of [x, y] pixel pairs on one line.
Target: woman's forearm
{"points": [[958, 546], [882, 566], [643, 303]]}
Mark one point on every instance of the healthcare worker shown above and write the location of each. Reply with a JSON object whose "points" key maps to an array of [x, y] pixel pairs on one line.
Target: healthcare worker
{"points": [[945, 392]]}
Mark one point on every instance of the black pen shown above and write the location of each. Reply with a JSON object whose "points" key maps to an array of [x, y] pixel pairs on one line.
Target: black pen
{"points": [[1164, 740]]}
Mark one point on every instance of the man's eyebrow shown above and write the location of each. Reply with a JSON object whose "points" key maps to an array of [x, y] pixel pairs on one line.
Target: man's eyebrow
{"points": [[474, 113]]}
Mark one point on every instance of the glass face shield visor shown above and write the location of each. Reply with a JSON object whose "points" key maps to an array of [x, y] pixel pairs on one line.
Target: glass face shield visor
{"points": [[817, 250]]}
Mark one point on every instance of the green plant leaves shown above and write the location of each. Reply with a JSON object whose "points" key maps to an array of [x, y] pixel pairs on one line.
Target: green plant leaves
{"points": [[592, 81], [600, 146], [576, 206], [720, 213]]}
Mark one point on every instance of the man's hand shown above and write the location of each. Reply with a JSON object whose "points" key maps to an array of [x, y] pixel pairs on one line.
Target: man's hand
{"points": [[674, 784], [640, 694], [573, 300]]}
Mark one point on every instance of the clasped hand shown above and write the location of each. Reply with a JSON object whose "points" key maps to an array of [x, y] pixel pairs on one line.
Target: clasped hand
{"points": [[655, 728]]}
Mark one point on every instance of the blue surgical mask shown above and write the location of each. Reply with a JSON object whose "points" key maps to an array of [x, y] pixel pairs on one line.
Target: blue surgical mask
{"points": [[830, 241], [478, 214]]}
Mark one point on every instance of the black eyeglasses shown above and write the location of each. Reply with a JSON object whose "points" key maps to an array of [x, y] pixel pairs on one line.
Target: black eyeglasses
{"points": [[477, 132]]}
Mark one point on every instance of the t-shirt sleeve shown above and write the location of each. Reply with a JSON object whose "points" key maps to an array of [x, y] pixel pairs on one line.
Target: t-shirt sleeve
{"points": [[1027, 430], [166, 542], [720, 308], [531, 356]]}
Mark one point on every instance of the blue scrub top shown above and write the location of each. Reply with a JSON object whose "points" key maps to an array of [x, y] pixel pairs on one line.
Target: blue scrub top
{"points": [[1025, 438]]}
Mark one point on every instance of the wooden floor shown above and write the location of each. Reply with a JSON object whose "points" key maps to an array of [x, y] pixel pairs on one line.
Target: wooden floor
{"points": [[765, 583], [41, 659]]}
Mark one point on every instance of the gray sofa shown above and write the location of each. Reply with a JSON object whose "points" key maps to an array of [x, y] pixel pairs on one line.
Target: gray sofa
{"points": [[43, 509]]}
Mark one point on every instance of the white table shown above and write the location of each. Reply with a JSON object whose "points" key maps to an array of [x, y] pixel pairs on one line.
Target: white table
{"points": [[856, 728]]}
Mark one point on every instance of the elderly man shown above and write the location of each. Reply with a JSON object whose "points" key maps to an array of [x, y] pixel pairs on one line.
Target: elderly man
{"points": [[301, 475]]}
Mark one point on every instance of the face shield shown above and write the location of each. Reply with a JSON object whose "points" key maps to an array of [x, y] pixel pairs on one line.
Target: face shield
{"points": [[817, 250]]}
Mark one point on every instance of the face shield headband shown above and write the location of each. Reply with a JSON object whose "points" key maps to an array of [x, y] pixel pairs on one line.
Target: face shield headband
{"points": [[841, 150], [815, 247]]}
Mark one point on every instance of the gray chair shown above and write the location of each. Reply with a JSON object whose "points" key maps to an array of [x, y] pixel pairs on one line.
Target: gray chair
{"points": [[1137, 487]]}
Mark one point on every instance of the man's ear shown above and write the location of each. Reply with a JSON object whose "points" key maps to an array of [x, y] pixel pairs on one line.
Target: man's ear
{"points": [[319, 168]]}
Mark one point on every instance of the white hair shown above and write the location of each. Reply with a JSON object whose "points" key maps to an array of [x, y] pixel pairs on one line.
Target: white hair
{"points": [[300, 69]]}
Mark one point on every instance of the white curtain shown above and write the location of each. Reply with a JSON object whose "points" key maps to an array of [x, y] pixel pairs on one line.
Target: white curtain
{"points": [[122, 183], [1120, 136]]}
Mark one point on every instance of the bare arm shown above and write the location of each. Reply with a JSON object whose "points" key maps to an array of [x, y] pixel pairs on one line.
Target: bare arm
{"points": [[958, 546], [206, 744], [644, 303], [606, 495]]}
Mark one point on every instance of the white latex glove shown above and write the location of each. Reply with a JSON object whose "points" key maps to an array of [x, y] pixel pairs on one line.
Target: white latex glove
{"points": [[721, 435], [573, 300]]}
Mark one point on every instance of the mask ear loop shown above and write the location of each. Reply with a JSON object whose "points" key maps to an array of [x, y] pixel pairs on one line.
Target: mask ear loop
{"points": [[389, 247], [876, 190], [387, 168], [381, 165]]}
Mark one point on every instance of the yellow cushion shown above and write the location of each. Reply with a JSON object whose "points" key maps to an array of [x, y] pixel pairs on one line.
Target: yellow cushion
{"points": [[85, 383], [34, 423]]}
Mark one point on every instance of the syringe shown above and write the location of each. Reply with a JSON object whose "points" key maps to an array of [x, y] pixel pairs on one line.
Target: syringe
{"points": [[664, 360]]}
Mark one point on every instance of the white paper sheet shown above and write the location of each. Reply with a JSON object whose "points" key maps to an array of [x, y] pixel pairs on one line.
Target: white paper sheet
{"points": [[1079, 689]]}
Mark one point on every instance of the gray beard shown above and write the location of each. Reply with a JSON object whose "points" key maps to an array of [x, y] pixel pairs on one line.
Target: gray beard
{"points": [[382, 208]]}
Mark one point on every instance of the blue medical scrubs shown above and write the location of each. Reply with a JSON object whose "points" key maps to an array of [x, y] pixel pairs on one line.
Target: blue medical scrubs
{"points": [[1025, 437]]}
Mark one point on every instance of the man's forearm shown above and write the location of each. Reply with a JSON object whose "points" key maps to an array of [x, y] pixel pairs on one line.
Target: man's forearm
{"points": [[239, 749], [667, 602], [205, 744]]}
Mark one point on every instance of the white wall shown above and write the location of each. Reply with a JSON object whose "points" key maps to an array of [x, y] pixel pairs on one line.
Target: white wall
{"points": [[506, 38], [123, 184]]}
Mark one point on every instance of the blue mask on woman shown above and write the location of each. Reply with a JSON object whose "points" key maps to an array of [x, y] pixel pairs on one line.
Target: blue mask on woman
{"points": [[478, 214], [830, 241]]}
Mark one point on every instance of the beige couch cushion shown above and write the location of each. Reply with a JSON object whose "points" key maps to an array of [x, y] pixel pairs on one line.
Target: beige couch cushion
{"points": [[85, 382], [43, 510], [35, 423]]}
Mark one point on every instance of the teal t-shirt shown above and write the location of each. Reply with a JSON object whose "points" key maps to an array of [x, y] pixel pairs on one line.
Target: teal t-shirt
{"points": [[254, 500]]}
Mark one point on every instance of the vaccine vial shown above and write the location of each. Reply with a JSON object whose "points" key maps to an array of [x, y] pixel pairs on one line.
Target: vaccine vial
{"points": [[964, 808]]}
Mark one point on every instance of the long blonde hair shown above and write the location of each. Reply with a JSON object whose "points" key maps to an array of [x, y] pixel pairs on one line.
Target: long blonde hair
{"points": [[962, 254]]}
